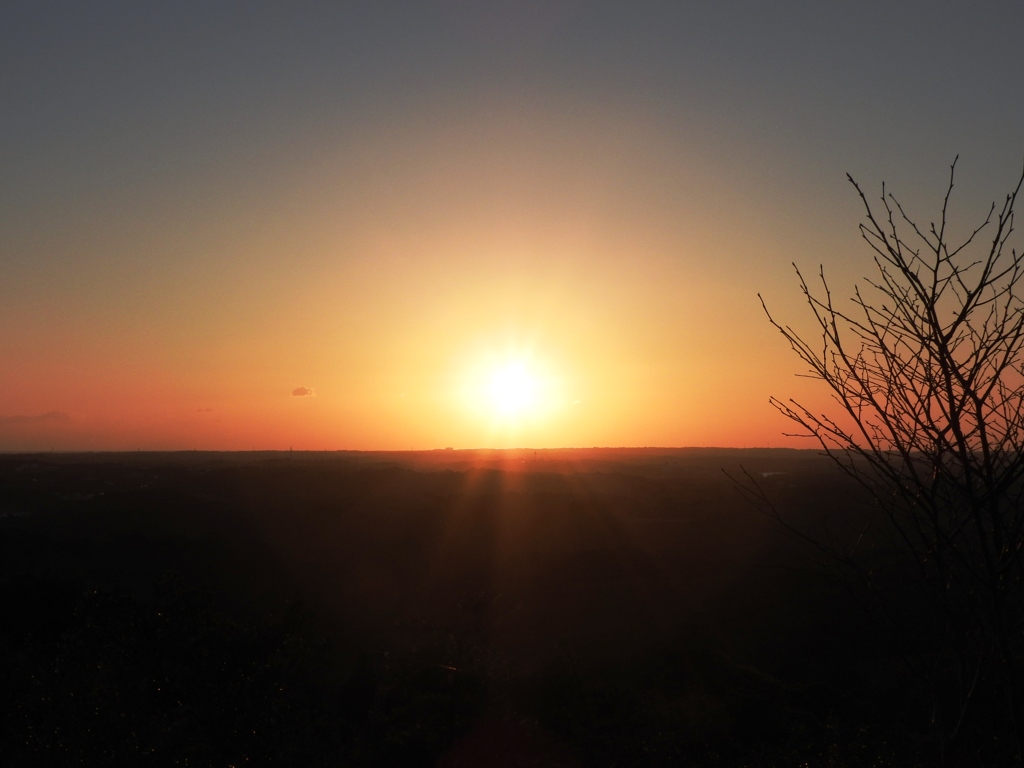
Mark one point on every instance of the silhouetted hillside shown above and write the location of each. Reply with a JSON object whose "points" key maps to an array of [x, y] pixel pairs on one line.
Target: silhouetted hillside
{"points": [[592, 607]]}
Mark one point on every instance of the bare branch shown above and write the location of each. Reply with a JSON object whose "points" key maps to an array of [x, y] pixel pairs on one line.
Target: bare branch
{"points": [[928, 375]]}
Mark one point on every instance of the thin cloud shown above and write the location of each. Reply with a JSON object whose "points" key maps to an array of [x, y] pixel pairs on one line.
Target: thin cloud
{"points": [[303, 392], [50, 417]]}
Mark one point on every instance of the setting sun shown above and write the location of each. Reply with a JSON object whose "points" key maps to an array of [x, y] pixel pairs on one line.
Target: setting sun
{"points": [[511, 394], [514, 389]]}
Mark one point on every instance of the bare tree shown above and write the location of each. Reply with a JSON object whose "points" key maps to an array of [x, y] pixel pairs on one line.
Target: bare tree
{"points": [[926, 368]]}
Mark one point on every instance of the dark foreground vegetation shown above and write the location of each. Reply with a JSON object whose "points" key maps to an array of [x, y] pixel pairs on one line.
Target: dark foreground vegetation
{"points": [[586, 608]]}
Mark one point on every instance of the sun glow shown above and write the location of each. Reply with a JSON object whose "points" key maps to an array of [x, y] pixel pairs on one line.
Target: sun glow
{"points": [[514, 389]]}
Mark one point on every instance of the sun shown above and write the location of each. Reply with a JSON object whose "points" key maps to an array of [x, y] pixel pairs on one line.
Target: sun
{"points": [[513, 389], [510, 390]]}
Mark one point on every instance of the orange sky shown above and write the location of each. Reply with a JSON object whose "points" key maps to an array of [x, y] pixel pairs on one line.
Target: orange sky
{"points": [[174, 294], [387, 273]]}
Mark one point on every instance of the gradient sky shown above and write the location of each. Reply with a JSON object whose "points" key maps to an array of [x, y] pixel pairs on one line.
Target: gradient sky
{"points": [[207, 206]]}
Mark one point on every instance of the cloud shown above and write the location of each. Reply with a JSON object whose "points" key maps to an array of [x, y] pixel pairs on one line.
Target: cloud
{"points": [[303, 392], [50, 417]]}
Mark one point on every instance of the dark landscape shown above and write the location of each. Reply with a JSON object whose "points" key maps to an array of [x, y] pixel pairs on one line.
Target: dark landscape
{"points": [[456, 608]]}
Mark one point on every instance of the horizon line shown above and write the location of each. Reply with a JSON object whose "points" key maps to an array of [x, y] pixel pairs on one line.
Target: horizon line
{"points": [[445, 449]]}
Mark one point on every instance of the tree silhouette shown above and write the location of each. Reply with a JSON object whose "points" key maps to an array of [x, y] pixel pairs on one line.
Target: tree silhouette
{"points": [[926, 368]]}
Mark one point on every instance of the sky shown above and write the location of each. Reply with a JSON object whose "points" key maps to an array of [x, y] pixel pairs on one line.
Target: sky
{"points": [[383, 225]]}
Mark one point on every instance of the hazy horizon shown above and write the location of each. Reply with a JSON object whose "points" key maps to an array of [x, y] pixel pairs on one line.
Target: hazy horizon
{"points": [[444, 449]]}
